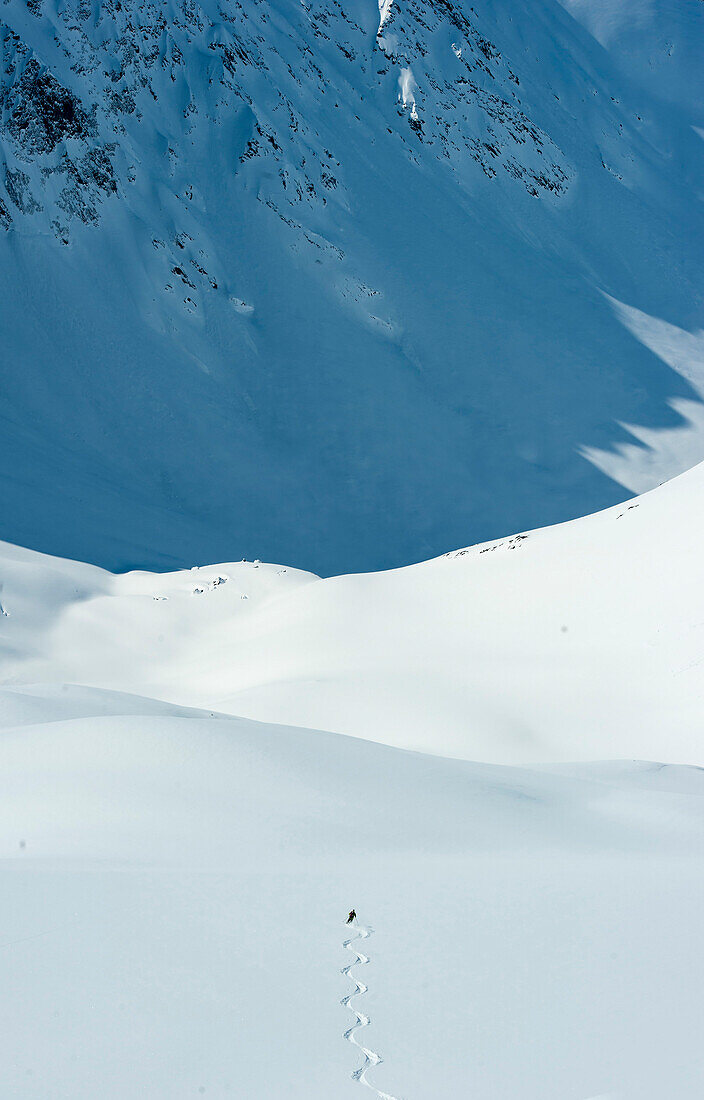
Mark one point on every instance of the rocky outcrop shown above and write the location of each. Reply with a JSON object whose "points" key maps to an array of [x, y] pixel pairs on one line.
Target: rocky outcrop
{"points": [[117, 76]]}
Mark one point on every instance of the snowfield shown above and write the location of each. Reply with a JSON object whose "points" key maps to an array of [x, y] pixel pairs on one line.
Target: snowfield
{"points": [[583, 641], [175, 889], [176, 878]]}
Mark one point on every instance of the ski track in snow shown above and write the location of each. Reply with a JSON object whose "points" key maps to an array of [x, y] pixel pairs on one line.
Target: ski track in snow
{"points": [[371, 1058]]}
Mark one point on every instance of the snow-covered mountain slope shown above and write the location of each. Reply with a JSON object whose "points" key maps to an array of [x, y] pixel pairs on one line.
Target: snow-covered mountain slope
{"points": [[175, 879], [339, 286], [174, 895], [582, 641], [652, 42]]}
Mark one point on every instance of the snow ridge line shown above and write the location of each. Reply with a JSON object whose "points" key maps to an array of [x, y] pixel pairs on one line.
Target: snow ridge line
{"points": [[371, 1058]]}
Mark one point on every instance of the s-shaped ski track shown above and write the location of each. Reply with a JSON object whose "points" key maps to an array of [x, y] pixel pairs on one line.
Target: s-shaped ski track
{"points": [[371, 1058]]}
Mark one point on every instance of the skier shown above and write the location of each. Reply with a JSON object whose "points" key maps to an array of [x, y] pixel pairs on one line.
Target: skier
{"points": [[352, 916]]}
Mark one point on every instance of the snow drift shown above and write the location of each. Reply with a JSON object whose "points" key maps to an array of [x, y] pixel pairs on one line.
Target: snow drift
{"points": [[580, 641]]}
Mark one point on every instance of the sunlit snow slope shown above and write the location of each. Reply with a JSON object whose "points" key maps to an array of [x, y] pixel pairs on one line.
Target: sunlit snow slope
{"points": [[175, 880], [175, 888], [342, 287], [580, 641]]}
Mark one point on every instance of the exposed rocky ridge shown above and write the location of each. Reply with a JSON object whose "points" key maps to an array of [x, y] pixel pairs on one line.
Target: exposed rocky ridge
{"points": [[126, 59]]}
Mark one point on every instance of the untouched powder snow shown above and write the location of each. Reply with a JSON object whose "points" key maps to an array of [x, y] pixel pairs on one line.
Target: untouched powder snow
{"points": [[577, 642]]}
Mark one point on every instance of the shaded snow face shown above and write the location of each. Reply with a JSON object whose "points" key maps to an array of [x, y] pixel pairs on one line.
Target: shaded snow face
{"points": [[137, 65], [322, 284]]}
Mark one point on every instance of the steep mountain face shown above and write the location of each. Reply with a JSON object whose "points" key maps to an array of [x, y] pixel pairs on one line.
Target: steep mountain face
{"points": [[340, 285]]}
